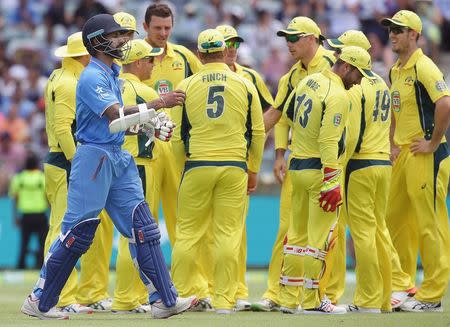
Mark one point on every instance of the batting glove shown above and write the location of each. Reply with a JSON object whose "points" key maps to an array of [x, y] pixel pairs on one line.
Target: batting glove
{"points": [[330, 192], [163, 127]]}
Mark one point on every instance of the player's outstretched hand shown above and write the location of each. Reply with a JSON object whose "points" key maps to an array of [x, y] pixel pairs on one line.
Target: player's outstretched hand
{"points": [[330, 193], [420, 145], [279, 169], [252, 182], [173, 98]]}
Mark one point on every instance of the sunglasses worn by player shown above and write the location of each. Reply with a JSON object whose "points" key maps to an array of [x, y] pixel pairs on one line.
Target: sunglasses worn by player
{"points": [[292, 38], [397, 29], [233, 44]]}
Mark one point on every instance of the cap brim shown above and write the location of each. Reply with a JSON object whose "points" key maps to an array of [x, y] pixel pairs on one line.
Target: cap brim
{"points": [[234, 37], [389, 21], [335, 43], [367, 73], [287, 31], [156, 52], [62, 52]]}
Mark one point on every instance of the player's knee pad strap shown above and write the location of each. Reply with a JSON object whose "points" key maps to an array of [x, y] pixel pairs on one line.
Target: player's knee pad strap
{"points": [[65, 254], [294, 250], [291, 281], [316, 253], [149, 257]]}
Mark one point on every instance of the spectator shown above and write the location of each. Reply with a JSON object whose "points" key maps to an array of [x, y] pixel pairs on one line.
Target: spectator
{"points": [[18, 101], [86, 10], [16, 126], [12, 158], [28, 192]]}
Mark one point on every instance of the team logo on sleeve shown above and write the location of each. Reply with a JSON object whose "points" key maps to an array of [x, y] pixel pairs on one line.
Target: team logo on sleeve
{"points": [[337, 119], [396, 101], [102, 94], [441, 86], [163, 86]]}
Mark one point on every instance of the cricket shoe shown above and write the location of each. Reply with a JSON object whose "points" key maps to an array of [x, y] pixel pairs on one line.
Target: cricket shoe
{"points": [[160, 311], [242, 305], [76, 308], [353, 308], [31, 307], [143, 308], [104, 305], [202, 305], [265, 305], [400, 297], [326, 307], [414, 305]]}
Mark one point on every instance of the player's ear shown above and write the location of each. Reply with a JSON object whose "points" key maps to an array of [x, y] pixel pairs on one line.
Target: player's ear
{"points": [[144, 24]]}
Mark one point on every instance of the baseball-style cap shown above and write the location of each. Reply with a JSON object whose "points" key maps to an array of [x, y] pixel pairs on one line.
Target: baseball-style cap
{"points": [[350, 37], [359, 58], [210, 40], [126, 20], [73, 48], [404, 18], [229, 32], [302, 25], [140, 49], [103, 24]]}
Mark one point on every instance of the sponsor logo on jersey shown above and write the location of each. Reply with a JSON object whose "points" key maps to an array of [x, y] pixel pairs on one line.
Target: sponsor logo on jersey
{"points": [[177, 65], [441, 86], [396, 101], [337, 119], [163, 86]]}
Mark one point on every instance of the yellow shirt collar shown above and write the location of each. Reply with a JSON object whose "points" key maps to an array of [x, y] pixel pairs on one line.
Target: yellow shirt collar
{"points": [[73, 65], [215, 65], [411, 61], [315, 60], [333, 76], [130, 77], [170, 49]]}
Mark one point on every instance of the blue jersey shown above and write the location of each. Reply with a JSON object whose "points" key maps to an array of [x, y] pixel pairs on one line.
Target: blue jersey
{"points": [[98, 88]]}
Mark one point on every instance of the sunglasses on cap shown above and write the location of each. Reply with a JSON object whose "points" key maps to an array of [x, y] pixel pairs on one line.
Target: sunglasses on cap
{"points": [[233, 44], [211, 45], [292, 38], [394, 29]]}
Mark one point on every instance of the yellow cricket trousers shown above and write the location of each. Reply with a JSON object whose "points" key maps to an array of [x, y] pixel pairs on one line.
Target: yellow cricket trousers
{"points": [[220, 188], [417, 218]]}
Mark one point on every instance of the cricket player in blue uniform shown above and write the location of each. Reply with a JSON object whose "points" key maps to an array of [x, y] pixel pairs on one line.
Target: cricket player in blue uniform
{"points": [[105, 176]]}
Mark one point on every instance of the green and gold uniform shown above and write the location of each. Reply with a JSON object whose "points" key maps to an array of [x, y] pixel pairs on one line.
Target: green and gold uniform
{"points": [[317, 111], [219, 124], [130, 292], [417, 215], [323, 59], [60, 126]]}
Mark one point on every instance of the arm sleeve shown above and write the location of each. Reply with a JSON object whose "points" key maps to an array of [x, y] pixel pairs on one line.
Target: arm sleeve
{"points": [[176, 114], [353, 126], [282, 93], [331, 131], [433, 80], [96, 93], [256, 127], [64, 118], [282, 127], [263, 92]]}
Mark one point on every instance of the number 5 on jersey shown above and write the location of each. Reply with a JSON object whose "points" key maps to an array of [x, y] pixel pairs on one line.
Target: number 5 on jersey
{"points": [[215, 102]]}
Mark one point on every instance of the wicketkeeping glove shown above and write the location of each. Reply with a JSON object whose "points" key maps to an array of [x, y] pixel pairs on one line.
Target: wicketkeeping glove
{"points": [[330, 192]]}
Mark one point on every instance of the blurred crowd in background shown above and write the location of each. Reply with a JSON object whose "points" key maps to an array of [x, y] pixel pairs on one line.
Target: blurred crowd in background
{"points": [[30, 30]]}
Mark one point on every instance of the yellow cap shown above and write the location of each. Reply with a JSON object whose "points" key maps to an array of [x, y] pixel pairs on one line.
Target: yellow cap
{"points": [[350, 37], [140, 49], [302, 25], [126, 20], [210, 40], [404, 18], [359, 58], [73, 48], [229, 32]]}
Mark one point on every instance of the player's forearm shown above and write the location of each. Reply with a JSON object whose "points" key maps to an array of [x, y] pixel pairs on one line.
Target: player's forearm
{"points": [[66, 142], [282, 134], [329, 155], [271, 117], [441, 120]]}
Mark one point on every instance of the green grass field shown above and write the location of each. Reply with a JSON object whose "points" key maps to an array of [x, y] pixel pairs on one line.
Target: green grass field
{"points": [[15, 286]]}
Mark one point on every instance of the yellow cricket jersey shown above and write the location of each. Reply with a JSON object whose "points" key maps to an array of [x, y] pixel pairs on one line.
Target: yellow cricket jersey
{"points": [[177, 64], [369, 120], [317, 111], [221, 119], [323, 59], [253, 76], [416, 86], [60, 108], [136, 92]]}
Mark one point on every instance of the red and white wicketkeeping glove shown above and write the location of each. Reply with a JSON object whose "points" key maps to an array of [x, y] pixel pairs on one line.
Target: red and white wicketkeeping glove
{"points": [[330, 192]]}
